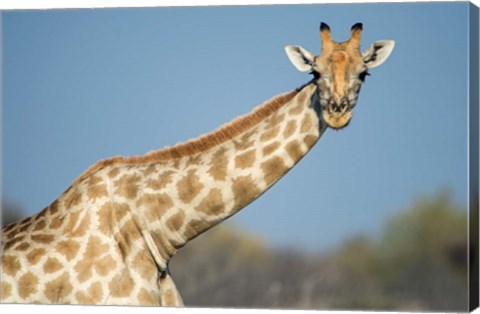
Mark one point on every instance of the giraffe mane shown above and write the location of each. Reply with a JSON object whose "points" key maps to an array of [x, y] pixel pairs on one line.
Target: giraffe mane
{"points": [[200, 144]]}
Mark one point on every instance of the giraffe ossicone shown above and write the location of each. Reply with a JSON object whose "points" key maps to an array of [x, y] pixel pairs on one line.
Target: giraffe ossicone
{"points": [[109, 237]]}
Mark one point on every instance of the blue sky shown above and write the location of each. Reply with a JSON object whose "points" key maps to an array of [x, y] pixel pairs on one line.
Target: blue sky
{"points": [[83, 85]]}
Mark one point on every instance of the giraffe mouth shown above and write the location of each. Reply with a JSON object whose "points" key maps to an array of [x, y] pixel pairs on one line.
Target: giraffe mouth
{"points": [[337, 116], [336, 120]]}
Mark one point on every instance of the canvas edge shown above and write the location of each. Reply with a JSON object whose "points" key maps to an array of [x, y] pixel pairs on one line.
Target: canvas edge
{"points": [[473, 137]]}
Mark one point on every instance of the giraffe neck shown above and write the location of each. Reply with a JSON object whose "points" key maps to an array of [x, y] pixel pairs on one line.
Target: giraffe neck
{"points": [[186, 196]]}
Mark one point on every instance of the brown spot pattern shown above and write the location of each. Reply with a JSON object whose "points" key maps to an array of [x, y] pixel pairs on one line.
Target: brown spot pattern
{"points": [[306, 124], [245, 141], [218, 165], [162, 181], [74, 198], [93, 295], [273, 169], [72, 220], [168, 298], [40, 225], [189, 187], [6, 290], [195, 159], [10, 265], [105, 218], [245, 160], [121, 285], [128, 185], [92, 259], [81, 229], [68, 248], [196, 227], [97, 191], [128, 234], [51, 265], [35, 255], [151, 169], [42, 238], [294, 150], [56, 223], [276, 119], [269, 134], [290, 128], [58, 289], [25, 226], [176, 221], [147, 298], [144, 265], [155, 205], [109, 215], [310, 140], [298, 107], [267, 150], [23, 246], [96, 188], [244, 190], [212, 204], [10, 243], [27, 285], [113, 173], [105, 265], [53, 208], [8, 228], [94, 180], [40, 215]]}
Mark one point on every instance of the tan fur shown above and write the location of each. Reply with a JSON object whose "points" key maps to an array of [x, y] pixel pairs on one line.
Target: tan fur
{"points": [[28, 284], [93, 295], [340, 61], [121, 285], [58, 288], [273, 168], [205, 142], [270, 148], [212, 203], [6, 290]]}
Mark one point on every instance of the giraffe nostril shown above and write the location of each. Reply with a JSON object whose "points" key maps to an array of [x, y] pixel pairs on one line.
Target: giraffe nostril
{"points": [[338, 107]]}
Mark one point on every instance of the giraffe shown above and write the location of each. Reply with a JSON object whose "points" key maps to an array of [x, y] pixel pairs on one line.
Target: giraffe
{"points": [[109, 237]]}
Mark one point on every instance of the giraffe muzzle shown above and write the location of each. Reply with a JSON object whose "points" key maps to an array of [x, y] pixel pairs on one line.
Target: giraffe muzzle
{"points": [[337, 113], [339, 107]]}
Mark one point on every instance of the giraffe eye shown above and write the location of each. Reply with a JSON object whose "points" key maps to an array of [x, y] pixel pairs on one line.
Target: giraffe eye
{"points": [[363, 75]]}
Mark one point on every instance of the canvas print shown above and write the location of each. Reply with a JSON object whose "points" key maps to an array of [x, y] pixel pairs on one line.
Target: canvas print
{"points": [[320, 156]]}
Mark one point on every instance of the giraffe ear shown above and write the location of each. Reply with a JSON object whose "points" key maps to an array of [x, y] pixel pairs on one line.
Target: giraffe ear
{"points": [[377, 53], [302, 59]]}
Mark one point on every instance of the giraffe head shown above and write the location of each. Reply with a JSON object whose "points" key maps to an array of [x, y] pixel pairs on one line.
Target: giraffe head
{"points": [[339, 71]]}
